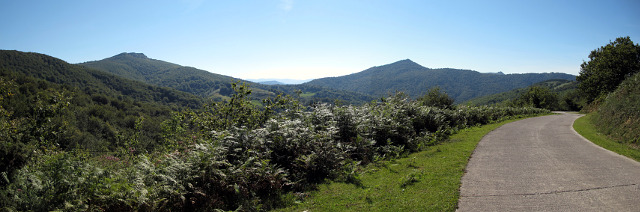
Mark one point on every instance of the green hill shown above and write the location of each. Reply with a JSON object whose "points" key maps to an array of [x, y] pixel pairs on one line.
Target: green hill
{"points": [[415, 80], [137, 66], [93, 110], [90, 81]]}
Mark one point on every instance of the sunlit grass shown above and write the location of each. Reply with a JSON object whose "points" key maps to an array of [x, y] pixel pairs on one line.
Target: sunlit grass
{"points": [[585, 127], [307, 94], [423, 181]]}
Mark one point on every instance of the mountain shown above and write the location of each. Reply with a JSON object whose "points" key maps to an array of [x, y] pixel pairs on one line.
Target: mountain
{"points": [[89, 80], [415, 79], [137, 66]]}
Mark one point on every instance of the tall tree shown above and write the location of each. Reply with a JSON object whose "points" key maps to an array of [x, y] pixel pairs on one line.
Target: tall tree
{"points": [[437, 98], [608, 66]]}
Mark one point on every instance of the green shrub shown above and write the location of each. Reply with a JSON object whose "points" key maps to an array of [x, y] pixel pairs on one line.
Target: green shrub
{"points": [[437, 98], [619, 113]]}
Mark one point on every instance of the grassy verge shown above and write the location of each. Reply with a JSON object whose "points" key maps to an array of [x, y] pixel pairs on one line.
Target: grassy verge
{"points": [[424, 181], [585, 127]]}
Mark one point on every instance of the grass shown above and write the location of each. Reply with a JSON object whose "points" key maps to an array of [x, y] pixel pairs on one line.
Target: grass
{"points": [[307, 94], [585, 127], [423, 181]]}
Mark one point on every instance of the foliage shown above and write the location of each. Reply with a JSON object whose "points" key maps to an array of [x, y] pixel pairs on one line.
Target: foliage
{"points": [[608, 66], [437, 98], [424, 181], [411, 78], [47, 104], [567, 95], [15, 64], [538, 97], [42, 128], [619, 114], [313, 94], [79, 139], [586, 127], [235, 156]]}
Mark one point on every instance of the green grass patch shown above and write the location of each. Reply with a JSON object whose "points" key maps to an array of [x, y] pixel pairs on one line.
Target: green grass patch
{"points": [[257, 103], [585, 127], [307, 94], [423, 181]]}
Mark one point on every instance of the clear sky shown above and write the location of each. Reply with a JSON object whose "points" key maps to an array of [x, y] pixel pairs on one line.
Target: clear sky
{"points": [[299, 39]]}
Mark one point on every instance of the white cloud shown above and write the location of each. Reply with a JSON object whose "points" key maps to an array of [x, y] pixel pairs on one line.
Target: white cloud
{"points": [[286, 5]]}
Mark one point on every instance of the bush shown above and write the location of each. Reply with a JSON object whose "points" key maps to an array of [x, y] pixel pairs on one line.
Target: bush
{"points": [[619, 113], [538, 97]]}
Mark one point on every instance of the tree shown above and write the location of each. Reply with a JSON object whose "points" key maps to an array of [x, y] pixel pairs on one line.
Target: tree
{"points": [[437, 98], [538, 97], [608, 67]]}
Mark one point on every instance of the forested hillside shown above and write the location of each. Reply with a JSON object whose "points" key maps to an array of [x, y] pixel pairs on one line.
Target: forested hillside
{"points": [[137, 66], [564, 92], [414, 79], [78, 107], [90, 81]]}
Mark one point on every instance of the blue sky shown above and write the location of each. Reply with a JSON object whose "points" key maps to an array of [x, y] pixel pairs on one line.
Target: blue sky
{"points": [[310, 39]]}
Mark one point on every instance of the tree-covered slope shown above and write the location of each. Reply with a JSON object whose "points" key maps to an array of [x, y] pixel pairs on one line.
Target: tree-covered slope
{"points": [[139, 67], [90, 81], [71, 106], [309, 94], [561, 87], [415, 80]]}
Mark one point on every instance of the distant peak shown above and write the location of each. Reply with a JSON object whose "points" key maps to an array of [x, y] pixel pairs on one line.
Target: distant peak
{"points": [[404, 61], [407, 62], [132, 54]]}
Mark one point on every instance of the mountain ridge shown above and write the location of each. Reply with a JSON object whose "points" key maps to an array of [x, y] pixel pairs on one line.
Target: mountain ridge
{"points": [[206, 84], [96, 110], [415, 79], [138, 66]]}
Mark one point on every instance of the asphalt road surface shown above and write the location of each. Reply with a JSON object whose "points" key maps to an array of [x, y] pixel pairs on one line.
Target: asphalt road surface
{"points": [[542, 164]]}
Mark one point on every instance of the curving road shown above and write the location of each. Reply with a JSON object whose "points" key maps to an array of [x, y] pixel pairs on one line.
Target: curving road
{"points": [[542, 164]]}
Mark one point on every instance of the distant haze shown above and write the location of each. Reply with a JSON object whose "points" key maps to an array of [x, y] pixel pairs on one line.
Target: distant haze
{"points": [[283, 81]]}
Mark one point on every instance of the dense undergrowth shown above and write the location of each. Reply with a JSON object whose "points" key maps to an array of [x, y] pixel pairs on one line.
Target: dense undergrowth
{"points": [[235, 156], [618, 114]]}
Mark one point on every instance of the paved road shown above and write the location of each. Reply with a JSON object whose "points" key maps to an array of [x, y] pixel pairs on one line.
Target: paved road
{"points": [[542, 164]]}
